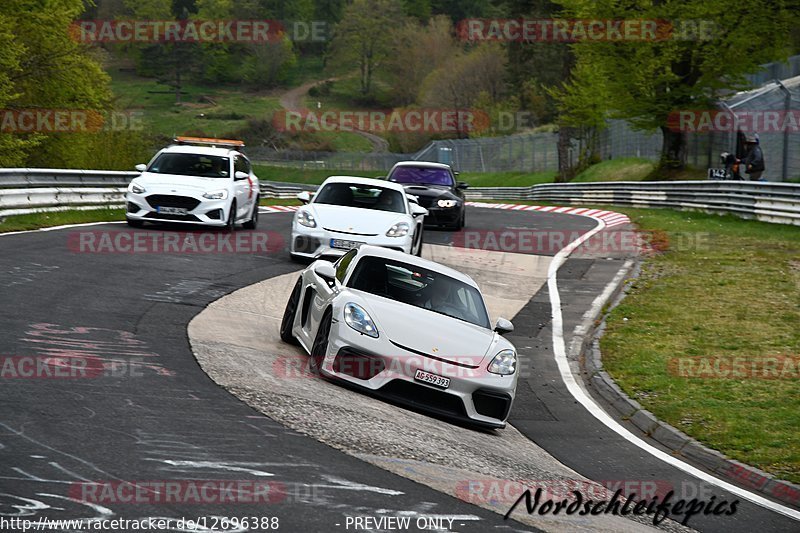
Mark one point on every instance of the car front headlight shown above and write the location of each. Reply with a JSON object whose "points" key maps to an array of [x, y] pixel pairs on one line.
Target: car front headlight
{"points": [[136, 188], [504, 363], [216, 195], [447, 203], [398, 230], [304, 218], [357, 318]]}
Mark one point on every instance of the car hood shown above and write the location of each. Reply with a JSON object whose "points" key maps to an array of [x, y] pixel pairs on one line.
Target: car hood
{"points": [[429, 191], [430, 333], [169, 182], [367, 222]]}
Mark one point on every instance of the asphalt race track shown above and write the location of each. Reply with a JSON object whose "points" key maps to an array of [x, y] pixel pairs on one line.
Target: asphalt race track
{"points": [[160, 417]]}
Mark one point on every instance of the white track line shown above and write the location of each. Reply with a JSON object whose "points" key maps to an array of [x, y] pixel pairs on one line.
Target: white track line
{"points": [[560, 354]]}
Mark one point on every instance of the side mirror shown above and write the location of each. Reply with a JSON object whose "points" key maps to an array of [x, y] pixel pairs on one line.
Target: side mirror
{"points": [[456, 173], [503, 326], [325, 270], [304, 197], [413, 198], [141, 167], [462, 185], [417, 210], [239, 175]]}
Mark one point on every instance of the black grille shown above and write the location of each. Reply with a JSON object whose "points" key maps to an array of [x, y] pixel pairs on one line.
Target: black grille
{"points": [[358, 364], [422, 396], [176, 218], [303, 244], [424, 201], [216, 214], [491, 404], [168, 200], [133, 208]]}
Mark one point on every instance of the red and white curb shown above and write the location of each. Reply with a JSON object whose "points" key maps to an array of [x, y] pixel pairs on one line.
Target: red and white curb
{"points": [[609, 218], [278, 208]]}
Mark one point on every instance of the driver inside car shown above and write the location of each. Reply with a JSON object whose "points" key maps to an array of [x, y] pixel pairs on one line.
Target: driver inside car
{"points": [[439, 300]]}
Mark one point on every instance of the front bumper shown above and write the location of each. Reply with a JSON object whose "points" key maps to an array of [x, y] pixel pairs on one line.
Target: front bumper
{"points": [[474, 396], [314, 243], [207, 212], [443, 216]]}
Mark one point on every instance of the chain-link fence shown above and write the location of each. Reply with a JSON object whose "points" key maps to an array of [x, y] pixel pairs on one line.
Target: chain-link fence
{"points": [[537, 152]]}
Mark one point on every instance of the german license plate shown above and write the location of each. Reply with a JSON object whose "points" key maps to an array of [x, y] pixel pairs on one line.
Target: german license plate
{"points": [[171, 210], [432, 379], [345, 245]]}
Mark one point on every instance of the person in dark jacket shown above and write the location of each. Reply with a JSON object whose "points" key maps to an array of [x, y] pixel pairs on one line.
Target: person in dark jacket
{"points": [[754, 160]]}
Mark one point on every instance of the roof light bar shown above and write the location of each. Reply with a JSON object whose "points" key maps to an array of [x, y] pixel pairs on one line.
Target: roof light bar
{"points": [[203, 141]]}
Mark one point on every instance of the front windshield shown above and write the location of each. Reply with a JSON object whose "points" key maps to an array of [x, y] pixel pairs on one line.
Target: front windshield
{"points": [[419, 287], [421, 176], [204, 166], [363, 196]]}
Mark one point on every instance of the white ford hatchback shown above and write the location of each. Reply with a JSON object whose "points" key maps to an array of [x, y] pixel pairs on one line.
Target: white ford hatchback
{"points": [[195, 181]]}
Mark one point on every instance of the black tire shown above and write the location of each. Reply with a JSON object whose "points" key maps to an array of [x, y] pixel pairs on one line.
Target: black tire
{"points": [[289, 313], [230, 225], [253, 222], [320, 345], [460, 224], [421, 235], [134, 223]]}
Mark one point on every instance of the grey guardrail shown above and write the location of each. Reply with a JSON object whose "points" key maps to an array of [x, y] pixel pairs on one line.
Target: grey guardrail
{"points": [[25, 190], [29, 190], [765, 201]]}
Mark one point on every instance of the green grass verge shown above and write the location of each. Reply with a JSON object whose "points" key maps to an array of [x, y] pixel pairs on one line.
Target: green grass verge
{"points": [[59, 218], [728, 289], [623, 169]]}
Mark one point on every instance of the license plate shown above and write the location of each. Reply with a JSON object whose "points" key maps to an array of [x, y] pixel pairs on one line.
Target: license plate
{"points": [[171, 210], [432, 379], [345, 245]]}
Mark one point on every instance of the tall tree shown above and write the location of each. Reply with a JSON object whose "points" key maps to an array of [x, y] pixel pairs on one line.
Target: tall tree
{"points": [[419, 51], [647, 80], [41, 66], [363, 38]]}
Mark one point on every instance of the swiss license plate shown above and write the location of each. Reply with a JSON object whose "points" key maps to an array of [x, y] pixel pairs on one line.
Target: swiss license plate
{"points": [[345, 245], [432, 379], [171, 210]]}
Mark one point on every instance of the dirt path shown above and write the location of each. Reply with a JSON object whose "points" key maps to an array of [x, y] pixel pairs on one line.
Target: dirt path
{"points": [[293, 100]]}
